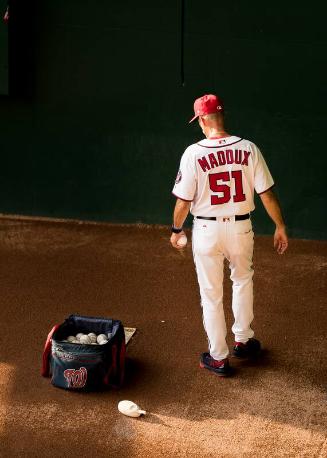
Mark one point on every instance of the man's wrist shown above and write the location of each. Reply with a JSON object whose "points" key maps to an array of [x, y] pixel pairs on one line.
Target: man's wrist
{"points": [[176, 230]]}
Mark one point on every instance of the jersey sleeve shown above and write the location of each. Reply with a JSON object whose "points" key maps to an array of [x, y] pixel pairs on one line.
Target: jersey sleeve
{"points": [[262, 176], [185, 183]]}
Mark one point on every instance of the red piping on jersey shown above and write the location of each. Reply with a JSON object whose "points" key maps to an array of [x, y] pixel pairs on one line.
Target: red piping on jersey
{"points": [[185, 200], [266, 190], [221, 146]]}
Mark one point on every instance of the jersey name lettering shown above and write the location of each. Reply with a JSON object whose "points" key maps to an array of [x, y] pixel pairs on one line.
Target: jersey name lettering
{"points": [[227, 156]]}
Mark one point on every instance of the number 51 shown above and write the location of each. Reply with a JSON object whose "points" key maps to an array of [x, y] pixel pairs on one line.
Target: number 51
{"points": [[214, 178]]}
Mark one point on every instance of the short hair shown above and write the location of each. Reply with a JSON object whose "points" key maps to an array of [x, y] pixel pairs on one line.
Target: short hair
{"points": [[212, 117]]}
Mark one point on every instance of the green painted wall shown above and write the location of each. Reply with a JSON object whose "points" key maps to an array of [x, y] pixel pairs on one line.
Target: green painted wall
{"points": [[97, 115]]}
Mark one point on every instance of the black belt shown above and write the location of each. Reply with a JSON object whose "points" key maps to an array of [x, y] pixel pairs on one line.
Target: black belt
{"points": [[214, 218]]}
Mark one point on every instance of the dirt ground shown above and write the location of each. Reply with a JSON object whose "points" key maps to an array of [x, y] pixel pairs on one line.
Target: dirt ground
{"points": [[275, 407]]}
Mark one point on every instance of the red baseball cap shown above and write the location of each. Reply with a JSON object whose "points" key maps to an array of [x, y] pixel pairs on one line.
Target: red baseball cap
{"points": [[207, 104]]}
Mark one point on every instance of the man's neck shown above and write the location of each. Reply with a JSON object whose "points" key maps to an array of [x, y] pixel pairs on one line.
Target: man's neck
{"points": [[216, 133]]}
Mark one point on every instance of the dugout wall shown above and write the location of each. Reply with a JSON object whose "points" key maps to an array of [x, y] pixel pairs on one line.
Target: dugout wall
{"points": [[100, 94]]}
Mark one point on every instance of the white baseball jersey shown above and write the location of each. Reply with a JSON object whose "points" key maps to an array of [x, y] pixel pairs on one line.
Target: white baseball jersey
{"points": [[219, 176]]}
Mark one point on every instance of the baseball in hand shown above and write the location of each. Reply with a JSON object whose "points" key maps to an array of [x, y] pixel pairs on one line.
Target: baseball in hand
{"points": [[182, 241]]}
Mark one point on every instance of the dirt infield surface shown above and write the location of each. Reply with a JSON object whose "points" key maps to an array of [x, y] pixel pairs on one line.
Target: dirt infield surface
{"points": [[275, 407]]}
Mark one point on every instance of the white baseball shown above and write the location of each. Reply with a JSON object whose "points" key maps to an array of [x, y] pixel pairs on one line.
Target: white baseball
{"points": [[103, 341], [71, 338], [79, 335], [101, 337], [182, 241], [85, 340], [93, 337]]}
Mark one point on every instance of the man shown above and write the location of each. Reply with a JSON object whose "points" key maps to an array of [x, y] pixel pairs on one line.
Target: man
{"points": [[216, 183]]}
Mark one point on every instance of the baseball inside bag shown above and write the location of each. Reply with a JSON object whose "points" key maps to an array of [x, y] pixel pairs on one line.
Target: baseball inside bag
{"points": [[85, 367]]}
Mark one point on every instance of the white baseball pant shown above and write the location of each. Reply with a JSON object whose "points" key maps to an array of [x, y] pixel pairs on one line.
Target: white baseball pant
{"points": [[212, 241]]}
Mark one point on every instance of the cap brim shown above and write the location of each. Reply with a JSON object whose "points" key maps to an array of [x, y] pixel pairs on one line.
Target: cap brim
{"points": [[193, 119]]}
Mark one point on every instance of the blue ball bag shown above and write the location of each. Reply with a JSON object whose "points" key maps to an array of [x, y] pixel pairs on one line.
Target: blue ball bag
{"points": [[85, 367]]}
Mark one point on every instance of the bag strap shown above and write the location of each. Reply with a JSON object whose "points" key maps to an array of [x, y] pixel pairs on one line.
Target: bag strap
{"points": [[122, 357], [115, 376], [45, 371]]}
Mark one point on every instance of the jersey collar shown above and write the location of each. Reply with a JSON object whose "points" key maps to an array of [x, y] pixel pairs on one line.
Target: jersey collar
{"points": [[219, 142]]}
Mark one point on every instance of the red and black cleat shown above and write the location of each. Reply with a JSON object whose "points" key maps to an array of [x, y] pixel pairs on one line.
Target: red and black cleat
{"points": [[221, 367], [250, 349]]}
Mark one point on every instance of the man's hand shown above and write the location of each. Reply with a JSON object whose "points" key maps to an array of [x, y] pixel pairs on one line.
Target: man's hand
{"points": [[273, 209], [280, 239], [181, 210], [174, 238]]}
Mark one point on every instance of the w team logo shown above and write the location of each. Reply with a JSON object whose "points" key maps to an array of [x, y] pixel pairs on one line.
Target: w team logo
{"points": [[179, 177], [76, 378]]}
